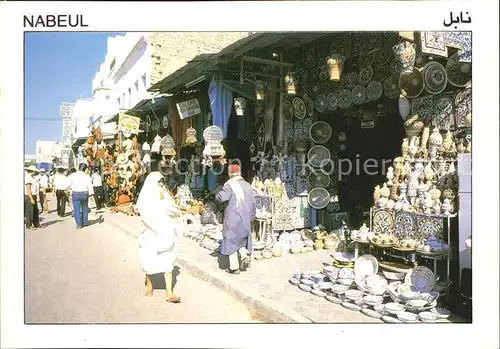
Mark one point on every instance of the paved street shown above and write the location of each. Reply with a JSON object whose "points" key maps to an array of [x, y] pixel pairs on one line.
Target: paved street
{"points": [[93, 275]]}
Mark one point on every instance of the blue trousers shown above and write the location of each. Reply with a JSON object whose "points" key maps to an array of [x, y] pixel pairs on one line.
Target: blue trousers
{"points": [[80, 208]]}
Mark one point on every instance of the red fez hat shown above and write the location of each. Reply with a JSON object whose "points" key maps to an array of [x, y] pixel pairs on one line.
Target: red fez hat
{"points": [[234, 169]]}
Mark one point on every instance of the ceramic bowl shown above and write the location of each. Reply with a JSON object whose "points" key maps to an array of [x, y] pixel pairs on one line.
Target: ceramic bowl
{"points": [[305, 288], [339, 289], [346, 273], [257, 256], [277, 253], [296, 250], [427, 316], [416, 303], [333, 299], [307, 282], [351, 306], [294, 281], [373, 300], [346, 282], [325, 285], [394, 308], [389, 275], [391, 320], [354, 295], [311, 272], [371, 313], [442, 313], [380, 309], [318, 293], [408, 318], [258, 245], [267, 254]]}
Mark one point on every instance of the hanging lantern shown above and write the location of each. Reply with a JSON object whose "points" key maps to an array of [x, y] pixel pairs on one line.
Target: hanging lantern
{"points": [[165, 122], [239, 106], [290, 84], [213, 135], [167, 146], [335, 65], [260, 90], [191, 137]]}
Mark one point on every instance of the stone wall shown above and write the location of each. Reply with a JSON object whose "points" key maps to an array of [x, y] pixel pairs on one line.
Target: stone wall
{"points": [[171, 51]]}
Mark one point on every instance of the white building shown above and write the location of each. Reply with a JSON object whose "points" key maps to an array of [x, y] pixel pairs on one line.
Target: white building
{"points": [[46, 151], [81, 117]]}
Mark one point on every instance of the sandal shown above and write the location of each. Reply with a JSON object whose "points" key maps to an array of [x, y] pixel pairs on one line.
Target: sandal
{"points": [[173, 299], [148, 293]]}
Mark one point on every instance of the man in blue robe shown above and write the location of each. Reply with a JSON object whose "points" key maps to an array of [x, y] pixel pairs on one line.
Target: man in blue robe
{"points": [[238, 216]]}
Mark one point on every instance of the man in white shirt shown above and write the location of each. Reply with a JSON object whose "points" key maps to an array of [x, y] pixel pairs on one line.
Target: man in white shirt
{"points": [[30, 205], [81, 188], [98, 188], [44, 184], [60, 186]]}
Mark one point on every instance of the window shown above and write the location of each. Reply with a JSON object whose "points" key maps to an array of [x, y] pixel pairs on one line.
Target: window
{"points": [[130, 97], [144, 82], [136, 86], [108, 98], [119, 102], [112, 65]]}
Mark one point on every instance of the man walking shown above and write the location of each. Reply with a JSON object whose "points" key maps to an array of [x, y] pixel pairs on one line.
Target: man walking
{"points": [[81, 188], [29, 199], [44, 185], [60, 187], [98, 188], [238, 215]]}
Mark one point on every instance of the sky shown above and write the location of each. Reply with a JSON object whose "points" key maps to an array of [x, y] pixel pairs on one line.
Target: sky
{"points": [[59, 67]]}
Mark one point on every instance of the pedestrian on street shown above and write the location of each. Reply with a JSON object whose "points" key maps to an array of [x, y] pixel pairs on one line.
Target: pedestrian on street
{"points": [[60, 186], [98, 188], [81, 188], [157, 244], [238, 216], [69, 199], [44, 185], [30, 188]]}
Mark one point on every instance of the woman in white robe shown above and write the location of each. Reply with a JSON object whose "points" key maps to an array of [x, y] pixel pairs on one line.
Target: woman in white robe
{"points": [[157, 244]]}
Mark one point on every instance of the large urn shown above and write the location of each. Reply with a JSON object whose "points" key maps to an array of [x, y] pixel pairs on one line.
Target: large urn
{"points": [[435, 139], [414, 126]]}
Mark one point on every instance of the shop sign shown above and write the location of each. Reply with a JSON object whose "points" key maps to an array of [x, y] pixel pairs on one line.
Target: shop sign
{"points": [[109, 128], [128, 124], [188, 108], [367, 124]]}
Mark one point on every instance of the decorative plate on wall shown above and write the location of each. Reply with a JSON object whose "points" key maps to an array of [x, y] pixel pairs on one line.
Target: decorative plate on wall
{"points": [[350, 79], [365, 60], [299, 108], [321, 103], [435, 79], [429, 225], [320, 132], [411, 84], [405, 225], [309, 104], [433, 43], [423, 106], [443, 111], [462, 41], [374, 90], [382, 56], [381, 72], [459, 73], [345, 98], [333, 101], [463, 106], [287, 110], [318, 198], [318, 156], [383, 222], [365, 75], [391, 87], [359, 94]]}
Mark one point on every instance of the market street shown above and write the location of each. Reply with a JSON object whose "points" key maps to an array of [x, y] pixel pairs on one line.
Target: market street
{"points": [[93, 275]]}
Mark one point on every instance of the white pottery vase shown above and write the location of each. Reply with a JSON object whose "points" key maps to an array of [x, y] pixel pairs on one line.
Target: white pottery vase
{"points": [[428, 172], [404, 107], [445, 207], [390, 174], [435, 139], [385, 192]]}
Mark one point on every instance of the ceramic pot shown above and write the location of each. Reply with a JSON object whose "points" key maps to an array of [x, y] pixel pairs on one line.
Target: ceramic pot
{"points": [[318, 245], [267, 254], [390, 205], [435, 193], [435, 139], [404, 148], [402, 191], [448, 141], [425, 137], [446, 207], [385, 192], [448, 194], [428, 172], [123, 199], [414, 126], [376, 194]]}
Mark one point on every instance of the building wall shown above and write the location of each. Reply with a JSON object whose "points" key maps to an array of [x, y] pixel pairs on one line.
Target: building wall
{"points": [[83, 111], [171, 51], [46, 151]]}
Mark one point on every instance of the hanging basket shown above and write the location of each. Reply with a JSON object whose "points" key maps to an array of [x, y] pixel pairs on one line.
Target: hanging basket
{"points": [[335, 65]]}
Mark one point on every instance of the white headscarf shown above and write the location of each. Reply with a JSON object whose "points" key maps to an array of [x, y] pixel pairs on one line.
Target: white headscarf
{"points": [[237, 189], [155, 202]]}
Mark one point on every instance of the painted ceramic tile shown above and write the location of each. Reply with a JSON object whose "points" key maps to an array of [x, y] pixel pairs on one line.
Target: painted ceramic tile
{"points": [[463, 106], [383, 222], [405, 225], [443, 111], [462, 41], [423, 106], [434, 43], [428, 225]]}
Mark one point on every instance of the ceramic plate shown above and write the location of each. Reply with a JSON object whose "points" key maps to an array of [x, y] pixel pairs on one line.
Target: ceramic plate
{"points": [[346, 282], [373, 300], [412, 84], [365, 75], [343, 257], [287, 110], [350, 79], [408, 317], [333, 101], [435, 78], [325, 285], [441, 312], [305, 288], [376, 282], [389, 275], [365, 59], [318, 293], [365, 265], [294, 281], [394, 308], [416, 303], [299, 108], [353, 294], [307, 282], [339, 289], [422, 278], [459, 73], [333, 299], [371, 313], [346, 273], [321, 103], [427, 316], [391, 87], [359, 94], [351, 306], [345, 98], [380, 309], [374, 90], [391, 320]]}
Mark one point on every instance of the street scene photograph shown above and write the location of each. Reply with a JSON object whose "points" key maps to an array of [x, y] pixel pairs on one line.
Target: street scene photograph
{"points": [[248, 177]]}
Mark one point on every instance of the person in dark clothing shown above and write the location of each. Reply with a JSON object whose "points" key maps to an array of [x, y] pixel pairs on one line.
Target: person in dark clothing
{"points": [[98, 188], [61, 186]]}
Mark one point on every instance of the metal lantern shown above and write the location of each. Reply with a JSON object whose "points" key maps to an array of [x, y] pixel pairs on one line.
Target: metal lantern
{"points": [[290, 84], [335, 65], [260, 90], [240, 106]]}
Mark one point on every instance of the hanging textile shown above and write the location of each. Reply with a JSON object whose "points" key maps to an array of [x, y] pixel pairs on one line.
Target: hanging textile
{"points": [[221, 101], [179, 126]]}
